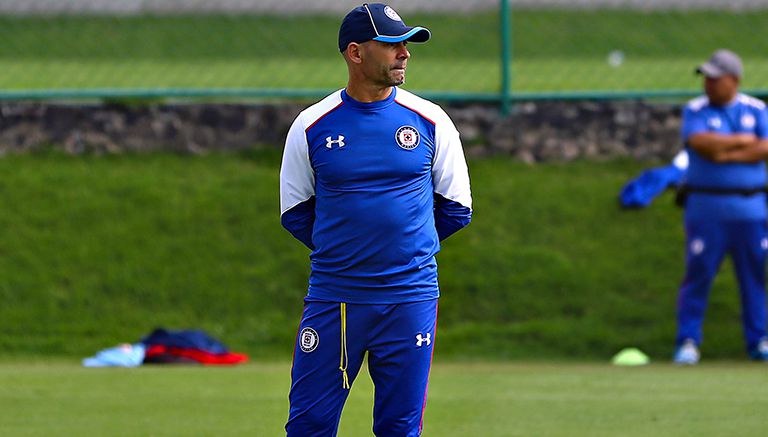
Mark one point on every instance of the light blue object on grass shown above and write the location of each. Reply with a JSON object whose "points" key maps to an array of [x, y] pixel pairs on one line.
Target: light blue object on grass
{"points": [[125, 355]]}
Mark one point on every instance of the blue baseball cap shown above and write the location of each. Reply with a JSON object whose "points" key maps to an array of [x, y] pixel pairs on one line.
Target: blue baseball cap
{"points": [[378, 22]]}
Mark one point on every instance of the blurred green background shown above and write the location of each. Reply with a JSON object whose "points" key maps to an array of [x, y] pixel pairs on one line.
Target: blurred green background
{"points": [[557, 48], [96, 250]]}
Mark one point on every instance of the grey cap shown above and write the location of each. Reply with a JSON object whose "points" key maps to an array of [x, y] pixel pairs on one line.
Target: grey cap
{"points": [[723, 62]]}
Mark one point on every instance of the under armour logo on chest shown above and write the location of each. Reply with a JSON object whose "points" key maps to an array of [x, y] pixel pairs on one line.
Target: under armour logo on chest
{"points": [[420, 339], [330, 141]]}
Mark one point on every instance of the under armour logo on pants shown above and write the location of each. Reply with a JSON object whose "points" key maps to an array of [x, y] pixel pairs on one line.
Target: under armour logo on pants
{"points": [[420, 339]]}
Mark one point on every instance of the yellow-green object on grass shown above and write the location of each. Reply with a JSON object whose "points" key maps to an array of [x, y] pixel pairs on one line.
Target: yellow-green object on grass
{"points": [[630, 357]]}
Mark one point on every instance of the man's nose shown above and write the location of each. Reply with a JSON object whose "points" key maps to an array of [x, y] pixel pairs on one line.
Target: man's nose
{"points": [[403, 52]]}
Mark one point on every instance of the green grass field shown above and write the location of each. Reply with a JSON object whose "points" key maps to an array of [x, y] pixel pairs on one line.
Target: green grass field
{"points": [[98, 250], [552, 51], [543, 399]]}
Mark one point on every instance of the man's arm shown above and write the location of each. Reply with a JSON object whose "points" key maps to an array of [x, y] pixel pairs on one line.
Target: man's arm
{"points": [[450, 176], [757, 150], [300, 220], [754, 152], [450, 216], [297, 186], [721, 147]]}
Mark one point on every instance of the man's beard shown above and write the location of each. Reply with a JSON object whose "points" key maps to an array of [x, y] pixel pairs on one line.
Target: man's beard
{"points": [[392, 80]]}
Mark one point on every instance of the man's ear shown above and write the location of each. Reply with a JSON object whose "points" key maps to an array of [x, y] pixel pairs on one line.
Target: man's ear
{"points": [[354, 53]]}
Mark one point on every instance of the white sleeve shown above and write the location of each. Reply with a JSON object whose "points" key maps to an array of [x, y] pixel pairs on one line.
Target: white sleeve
{"points": [[297, 179], [449, 168]]}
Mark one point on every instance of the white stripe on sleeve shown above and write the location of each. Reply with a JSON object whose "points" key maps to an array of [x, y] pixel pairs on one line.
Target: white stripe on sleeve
{"points": [[297, 179], [449, 168]]}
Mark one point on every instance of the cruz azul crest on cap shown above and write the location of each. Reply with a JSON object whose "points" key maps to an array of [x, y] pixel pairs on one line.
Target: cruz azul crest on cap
{"points": [[407, 137], [389, 12]]}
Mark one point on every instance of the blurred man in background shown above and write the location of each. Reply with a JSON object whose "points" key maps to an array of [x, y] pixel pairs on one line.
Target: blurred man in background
{"points": [[726, 135], [373, 178]]}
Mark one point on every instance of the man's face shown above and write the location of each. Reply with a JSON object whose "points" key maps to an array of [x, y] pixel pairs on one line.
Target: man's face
{"points": [[384, 63], [721, 90]]}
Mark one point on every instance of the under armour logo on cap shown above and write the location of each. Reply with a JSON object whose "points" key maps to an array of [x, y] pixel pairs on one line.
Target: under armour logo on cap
{"points": [[378, 22]]}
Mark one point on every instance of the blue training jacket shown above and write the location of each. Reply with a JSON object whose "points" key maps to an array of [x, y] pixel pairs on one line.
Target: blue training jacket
{"points": [[744, 115], [372, 188]]}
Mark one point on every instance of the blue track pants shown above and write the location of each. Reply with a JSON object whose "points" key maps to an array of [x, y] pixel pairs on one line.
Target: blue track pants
{"points": [[332, 342], [707, 242]]}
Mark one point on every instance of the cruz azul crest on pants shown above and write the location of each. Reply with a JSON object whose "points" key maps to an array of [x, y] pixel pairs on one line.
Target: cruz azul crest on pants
{"points": [[308, 340]]}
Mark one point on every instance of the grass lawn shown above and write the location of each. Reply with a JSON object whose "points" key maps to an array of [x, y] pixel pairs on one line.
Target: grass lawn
{"points": [[476, 76], [99, 250], [43, 398]]}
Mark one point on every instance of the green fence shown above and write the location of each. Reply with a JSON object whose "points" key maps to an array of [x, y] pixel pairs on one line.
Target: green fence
{"points": [[491, 50]]}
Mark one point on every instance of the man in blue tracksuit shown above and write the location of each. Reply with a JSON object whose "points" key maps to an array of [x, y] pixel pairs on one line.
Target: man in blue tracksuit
{"points": [[372, 179], [726, 135]]}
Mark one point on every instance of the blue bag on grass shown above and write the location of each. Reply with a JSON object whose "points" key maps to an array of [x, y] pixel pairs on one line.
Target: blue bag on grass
{"points": [[185, 338], [640, 191]]}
